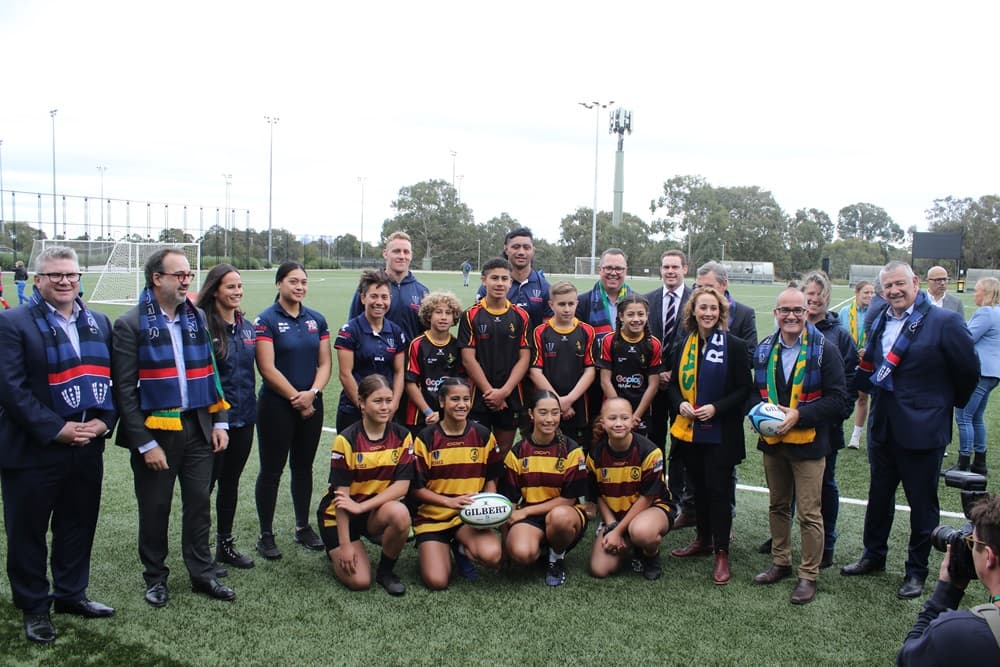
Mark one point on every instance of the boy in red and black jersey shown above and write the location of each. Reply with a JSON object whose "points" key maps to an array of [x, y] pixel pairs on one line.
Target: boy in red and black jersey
{"points": [[431, 356], [563, 361], [493, 334]]}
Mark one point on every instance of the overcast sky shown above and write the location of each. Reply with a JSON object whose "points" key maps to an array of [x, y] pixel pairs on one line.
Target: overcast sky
{"points": [[891, 103]]}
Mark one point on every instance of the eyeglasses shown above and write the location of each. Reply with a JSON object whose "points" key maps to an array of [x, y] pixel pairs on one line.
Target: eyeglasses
{"points": [[59, 277], [938, 280], [614, 269], [180, 275], [971, 542], [798, 310]]}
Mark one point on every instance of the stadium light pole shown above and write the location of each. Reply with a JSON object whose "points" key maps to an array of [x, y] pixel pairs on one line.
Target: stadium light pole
{"points": [[361, 180], [52, 113], [621, 123], [454, 156], [596, 106], [225, 225], [102, 169], [271, 121]]}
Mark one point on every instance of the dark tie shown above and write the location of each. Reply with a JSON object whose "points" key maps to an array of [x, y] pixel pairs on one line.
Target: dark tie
{"points": [[670, 318]]}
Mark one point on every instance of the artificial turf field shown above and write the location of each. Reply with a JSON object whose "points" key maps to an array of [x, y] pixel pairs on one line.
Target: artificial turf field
{"points": [[293, 611]]}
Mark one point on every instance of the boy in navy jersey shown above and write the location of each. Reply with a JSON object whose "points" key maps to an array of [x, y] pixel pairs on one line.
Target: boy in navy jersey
{"points": [[493, 334], [563, 361]]}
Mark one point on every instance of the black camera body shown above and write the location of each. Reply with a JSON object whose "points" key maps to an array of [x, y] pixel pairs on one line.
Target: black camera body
{"points": [[973, 489]]}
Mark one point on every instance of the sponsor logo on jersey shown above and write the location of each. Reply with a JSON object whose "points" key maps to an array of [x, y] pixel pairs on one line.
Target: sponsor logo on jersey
{"points": [[629, 381]]}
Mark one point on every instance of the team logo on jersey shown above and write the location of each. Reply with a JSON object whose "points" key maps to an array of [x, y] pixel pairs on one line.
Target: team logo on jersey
{"points": [[604, 473], [415, 299], [390, 342], [436, 456], [312, 326], [524, 464], [483, 328], [560, 464], [474, 454], [360, 458], [511, 330], [395, 456], [882, 373], [72, 396], [550, 346], [634, 474]]}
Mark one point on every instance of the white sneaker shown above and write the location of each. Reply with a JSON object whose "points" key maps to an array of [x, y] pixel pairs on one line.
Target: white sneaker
{"points": [[855, 443]]}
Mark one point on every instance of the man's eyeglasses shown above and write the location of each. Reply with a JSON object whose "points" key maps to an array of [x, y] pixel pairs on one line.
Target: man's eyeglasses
{"points": [[180, 275], [938, 280], [971, 542], [784, 310], [613, 269], [59, 277]]}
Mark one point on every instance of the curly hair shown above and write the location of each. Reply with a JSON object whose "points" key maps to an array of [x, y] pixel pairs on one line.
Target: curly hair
{"points": [[437, 300]]}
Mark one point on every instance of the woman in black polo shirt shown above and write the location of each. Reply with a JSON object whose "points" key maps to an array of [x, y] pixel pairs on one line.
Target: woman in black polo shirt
{"points": [[295, 361]]}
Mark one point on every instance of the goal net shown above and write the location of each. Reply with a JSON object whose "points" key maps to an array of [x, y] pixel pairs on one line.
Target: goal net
{"points": [[122, 279], [586, 266]]}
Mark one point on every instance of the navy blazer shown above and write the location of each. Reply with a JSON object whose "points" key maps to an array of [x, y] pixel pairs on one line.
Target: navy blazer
{"points": [[28, 425], [670, 347], [939, 371]]}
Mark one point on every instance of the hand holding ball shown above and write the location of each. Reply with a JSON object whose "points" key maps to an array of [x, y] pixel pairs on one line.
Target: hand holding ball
{"points": [[765, 418], [487, 510]]}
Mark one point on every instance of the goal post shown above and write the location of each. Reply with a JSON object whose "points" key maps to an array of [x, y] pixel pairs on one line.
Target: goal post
{"points": [[123, 278], [586, 266]]}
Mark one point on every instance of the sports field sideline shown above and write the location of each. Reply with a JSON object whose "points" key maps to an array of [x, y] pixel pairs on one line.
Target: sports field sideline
{"points": [[292, 611]]}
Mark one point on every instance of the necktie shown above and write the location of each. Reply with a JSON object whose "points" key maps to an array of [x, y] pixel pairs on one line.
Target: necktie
{"points": [[670, 318]]}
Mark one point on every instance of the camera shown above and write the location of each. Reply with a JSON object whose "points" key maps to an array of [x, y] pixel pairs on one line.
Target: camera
{"points": [[973, 489]]}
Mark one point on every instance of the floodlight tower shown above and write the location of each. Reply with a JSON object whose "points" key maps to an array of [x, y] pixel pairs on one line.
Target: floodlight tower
{"points": [[621, 122], [102, 169], [272, 121], [362, 180], [52, 113], [596, 106], [225, 225]]}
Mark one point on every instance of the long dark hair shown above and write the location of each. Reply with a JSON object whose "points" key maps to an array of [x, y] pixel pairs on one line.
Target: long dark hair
{"points": [[628, 300], [206, 301], [560, 439]]}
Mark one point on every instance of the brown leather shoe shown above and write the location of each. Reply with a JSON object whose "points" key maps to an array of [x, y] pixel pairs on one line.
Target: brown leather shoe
{"points": [[683, 520], [696, 548], [804, 593], [720, 575], [773, 575]]}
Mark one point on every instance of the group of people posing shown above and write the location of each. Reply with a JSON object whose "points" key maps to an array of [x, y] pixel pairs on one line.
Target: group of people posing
{"points": [[603, 387]]}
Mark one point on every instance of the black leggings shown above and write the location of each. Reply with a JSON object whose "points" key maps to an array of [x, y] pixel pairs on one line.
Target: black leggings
{"points": [[282, 435], [712, 482], [226, 471]]}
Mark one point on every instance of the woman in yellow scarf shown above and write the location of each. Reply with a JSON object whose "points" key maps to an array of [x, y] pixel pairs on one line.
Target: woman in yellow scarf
{"points": [[852, 318], [708, 388]]}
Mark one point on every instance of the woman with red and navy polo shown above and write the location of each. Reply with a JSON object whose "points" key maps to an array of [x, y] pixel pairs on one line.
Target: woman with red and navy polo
{"points": [[295, 361], [369, 344]]}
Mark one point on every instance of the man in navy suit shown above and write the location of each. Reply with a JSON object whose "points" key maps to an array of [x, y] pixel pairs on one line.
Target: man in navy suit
{"points": [[55, 414], [920, 364]]}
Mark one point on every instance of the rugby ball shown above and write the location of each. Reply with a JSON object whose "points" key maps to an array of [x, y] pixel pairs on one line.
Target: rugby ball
{"points": [[487, 510], [765, 418]]}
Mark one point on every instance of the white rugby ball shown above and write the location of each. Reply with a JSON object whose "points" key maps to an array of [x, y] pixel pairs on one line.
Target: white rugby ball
{"points": [[765, 418], [487, 510]]}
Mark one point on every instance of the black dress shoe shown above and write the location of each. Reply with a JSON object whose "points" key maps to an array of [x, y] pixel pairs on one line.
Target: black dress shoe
{"points": [[213, 589], [84, 607], [157, 595], [912, 587], [863, 566], [38, 628]]}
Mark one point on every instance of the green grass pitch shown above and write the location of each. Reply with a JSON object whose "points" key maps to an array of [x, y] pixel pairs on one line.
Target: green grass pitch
{"points": [[293, 611]]}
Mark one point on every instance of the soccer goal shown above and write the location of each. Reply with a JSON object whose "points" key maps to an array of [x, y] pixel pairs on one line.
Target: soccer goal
{"points": [[586, 266], [122, 278]]}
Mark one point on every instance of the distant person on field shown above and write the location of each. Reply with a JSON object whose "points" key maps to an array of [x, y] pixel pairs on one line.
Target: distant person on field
{"points": [[937, 291], [20, 279], [919, 364], [985, 329], [852, 318], [528, 288], [405, 291], [466, 270], [56, 411], [563, 361], [493, 334]]}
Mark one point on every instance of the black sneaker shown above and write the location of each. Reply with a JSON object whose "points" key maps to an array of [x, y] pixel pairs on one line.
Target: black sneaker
{"points": [[267, 548], [225, 552], [651, 567], [308, 538], [392, 584], [636, 561], [556, 573]]}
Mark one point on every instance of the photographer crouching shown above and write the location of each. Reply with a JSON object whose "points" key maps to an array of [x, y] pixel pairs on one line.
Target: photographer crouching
{"points": [[942, 635]]}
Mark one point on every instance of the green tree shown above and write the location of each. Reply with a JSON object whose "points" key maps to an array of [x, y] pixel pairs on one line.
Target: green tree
{"points": [[868, 222], [440, 225], [810, 232], [979, 223]]}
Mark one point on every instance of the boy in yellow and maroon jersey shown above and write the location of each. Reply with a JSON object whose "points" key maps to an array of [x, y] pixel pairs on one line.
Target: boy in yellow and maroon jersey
{"points": [[493, 334], [563, 361]]}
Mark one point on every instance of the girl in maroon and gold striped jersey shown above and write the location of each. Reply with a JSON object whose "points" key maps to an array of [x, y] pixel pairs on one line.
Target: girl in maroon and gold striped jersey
{"points": [[545, 475], [625, 471], [371, 466], [455, 459]]}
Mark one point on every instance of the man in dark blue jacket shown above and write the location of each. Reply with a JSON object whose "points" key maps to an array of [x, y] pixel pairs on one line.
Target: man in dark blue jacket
{"points": [[406, 292], [919, 365], [55, 413]]}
